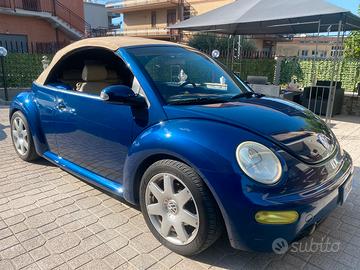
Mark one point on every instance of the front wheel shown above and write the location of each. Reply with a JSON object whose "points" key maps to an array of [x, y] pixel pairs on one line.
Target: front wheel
{"points": [[179, 208]]}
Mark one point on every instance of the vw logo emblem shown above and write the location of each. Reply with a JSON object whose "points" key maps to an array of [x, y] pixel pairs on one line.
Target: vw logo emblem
{"points": [[172, 207]]}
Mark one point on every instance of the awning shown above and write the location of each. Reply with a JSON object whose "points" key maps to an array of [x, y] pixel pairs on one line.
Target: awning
{"points": [[251, 17]]}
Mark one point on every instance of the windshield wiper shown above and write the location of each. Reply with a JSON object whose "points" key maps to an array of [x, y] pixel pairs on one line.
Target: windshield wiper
{"points": [[198, 100], [246, 94]]}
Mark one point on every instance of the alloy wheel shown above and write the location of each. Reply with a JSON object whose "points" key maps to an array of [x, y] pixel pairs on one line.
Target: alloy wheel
{"points": [[172, 209], [20, 136]]}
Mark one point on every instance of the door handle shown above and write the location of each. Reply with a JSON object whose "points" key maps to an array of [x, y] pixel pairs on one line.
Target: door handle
{"points": [[60, 105]]}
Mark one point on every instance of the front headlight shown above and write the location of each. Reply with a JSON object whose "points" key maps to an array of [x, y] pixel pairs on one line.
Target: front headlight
{"points": [[259, 162]]}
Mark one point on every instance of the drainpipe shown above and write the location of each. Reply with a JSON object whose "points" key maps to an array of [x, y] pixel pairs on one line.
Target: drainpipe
{"points": [[54, 7], [56, 26]]}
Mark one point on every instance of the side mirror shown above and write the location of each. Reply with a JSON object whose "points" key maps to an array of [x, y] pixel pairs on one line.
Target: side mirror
{"points": [[122, 94]]}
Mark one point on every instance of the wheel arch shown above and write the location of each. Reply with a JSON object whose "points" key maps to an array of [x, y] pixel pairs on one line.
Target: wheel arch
{"points": [[144, 165], [25, 103], [132, 192]]}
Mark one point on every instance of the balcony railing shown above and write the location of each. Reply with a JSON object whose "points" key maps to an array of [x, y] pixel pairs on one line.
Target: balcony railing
{"points": [[125, 4], [53, 7], [139, 32], [145, 32]]}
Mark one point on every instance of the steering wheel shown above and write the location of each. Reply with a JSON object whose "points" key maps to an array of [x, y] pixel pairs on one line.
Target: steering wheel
{"points": [[186, 83]]}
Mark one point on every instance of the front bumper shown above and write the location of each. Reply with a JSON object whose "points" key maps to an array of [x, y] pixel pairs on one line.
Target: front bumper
{"points": [[312, 206]]}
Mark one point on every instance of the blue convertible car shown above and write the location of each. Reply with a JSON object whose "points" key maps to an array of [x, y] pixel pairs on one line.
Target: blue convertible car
{"points": [[164, 126]]}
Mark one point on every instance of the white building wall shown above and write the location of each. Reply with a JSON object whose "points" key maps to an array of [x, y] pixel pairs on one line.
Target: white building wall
{"points": [[96, 15]]}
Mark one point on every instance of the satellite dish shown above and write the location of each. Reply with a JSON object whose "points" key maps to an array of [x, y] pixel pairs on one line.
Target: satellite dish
{"points": [[215, 54], [3, 52]]}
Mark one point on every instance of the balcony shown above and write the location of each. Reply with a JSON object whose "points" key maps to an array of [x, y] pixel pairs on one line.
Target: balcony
{"points": [[138, 5], [161, 33]]}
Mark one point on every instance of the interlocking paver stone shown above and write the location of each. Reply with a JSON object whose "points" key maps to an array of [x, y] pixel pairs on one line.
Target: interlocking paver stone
{"points": [[12, 252], [39, 220], [50, 219], [113, 220], [6, 265], [21, 202], [114, 260], [62, 243], [50, 262], [39, 253]]}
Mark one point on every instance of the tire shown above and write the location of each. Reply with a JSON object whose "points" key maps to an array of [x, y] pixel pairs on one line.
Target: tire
{"points": [[20, 131], [168, 214]]}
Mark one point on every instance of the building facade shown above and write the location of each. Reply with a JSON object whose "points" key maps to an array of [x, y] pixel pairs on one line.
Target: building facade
{"points": [[33, 25], [150, 18], [96, 15], [307, 46]]}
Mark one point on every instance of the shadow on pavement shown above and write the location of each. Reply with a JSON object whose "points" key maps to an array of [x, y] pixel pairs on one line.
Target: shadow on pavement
{"points": [[3, 134], [43, 162]]}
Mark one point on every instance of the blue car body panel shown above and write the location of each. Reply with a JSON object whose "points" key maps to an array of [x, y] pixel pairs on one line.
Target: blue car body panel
{"points": [[80, 134]]}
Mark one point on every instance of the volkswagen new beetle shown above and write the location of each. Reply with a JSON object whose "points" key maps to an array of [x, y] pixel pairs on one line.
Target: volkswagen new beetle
{"points": [[164, 126]]}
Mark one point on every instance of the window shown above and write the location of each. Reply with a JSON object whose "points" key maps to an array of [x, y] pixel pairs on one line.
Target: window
{"points": [[171, 17], [89, 71], [337, 50], [304, 53], [182, 75], [14, 43], [33, 5], [153, 19]]}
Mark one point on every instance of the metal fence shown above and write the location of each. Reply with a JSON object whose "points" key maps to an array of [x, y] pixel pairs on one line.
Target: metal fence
{"points": [[23, 46]]}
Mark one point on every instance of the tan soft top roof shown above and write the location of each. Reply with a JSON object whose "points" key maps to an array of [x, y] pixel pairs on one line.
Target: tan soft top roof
{"points": [[110, 43]]}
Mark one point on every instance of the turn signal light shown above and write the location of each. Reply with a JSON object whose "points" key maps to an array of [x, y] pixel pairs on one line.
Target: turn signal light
{"points": [[276, 217]]}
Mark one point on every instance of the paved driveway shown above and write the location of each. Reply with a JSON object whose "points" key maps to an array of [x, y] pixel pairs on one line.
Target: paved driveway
{"points": [[52, 220]]}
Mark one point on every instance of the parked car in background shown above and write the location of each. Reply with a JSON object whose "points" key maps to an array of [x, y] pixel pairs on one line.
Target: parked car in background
{"points": [[164, 126]]}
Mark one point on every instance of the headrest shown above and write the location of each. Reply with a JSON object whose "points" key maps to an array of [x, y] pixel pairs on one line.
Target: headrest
{"points": [[94, 73], [71, 75]]}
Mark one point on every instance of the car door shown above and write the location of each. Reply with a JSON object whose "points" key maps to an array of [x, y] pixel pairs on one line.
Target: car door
{"points": [[46, 100], [94, 134]]}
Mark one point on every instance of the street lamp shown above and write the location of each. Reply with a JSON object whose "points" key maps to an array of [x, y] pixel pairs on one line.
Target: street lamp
{"points": [[3, 54]]}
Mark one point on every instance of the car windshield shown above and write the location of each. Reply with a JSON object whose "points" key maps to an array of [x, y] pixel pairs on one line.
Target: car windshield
{"points": [[184, 76]]}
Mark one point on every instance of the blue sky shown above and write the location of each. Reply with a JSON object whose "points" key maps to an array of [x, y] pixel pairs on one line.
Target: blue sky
{"points": [[347, 4]]}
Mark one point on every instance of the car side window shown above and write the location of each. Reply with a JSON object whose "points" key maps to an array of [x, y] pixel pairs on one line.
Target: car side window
{"points": [[89, 71]]}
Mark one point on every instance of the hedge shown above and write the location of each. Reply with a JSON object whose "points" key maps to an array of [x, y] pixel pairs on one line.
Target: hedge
{"points": [[256, 67], [347, 72], [21, 69]]}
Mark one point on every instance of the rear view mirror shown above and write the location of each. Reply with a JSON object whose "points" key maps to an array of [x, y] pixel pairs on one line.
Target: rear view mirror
{"points": [[122, 94]]}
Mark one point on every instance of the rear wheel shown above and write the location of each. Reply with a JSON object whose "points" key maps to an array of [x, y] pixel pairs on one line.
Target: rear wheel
{"points": [[178, 207], [21, 137]]}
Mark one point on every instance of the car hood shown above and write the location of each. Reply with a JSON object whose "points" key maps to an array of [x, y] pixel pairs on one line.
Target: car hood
{"points": [[291, 126]]}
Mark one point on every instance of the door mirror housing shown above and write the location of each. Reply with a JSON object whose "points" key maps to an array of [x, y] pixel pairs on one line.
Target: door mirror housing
{"points": [[122, 94]]}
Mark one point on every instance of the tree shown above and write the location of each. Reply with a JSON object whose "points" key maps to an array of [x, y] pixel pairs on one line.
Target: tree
{"points": [[290, 68], [209, 42], [352, 44]]}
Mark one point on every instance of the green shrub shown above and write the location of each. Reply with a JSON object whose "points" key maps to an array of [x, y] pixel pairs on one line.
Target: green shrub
{"points": [[347, 74], [255, 67], [22, 69]]}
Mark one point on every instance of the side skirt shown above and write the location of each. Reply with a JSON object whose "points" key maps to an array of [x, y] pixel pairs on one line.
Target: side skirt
{"points": [[95, 179]]}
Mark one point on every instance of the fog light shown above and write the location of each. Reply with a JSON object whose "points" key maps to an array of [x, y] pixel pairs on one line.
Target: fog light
{"points": [[276, 217]]}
